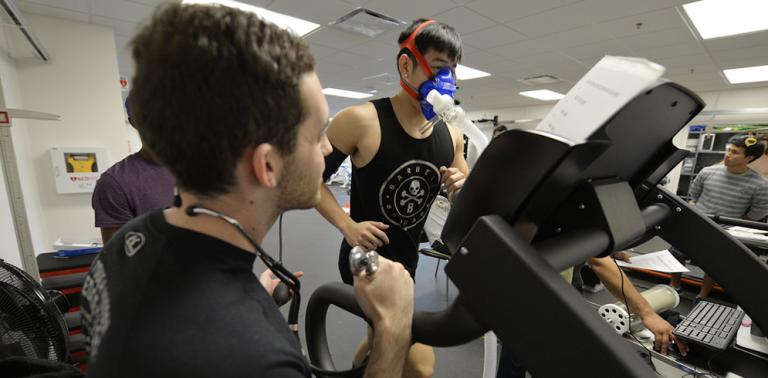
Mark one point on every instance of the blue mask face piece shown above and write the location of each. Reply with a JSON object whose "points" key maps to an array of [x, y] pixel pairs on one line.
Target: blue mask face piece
{"points": [[444, 83]]}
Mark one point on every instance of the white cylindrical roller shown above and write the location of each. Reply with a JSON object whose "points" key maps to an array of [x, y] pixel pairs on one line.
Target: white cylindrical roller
{"points": [[660, 297]]}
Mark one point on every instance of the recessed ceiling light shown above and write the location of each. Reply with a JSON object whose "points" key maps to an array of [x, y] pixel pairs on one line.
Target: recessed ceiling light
{"points": [[346, 93], [747, 74], [468, 73], [296, 25], [721, 18], [543, 94]]}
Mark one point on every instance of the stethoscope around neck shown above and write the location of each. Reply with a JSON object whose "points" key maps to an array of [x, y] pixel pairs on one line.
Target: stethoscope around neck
{"points": [[275, 266], [285, 277]]}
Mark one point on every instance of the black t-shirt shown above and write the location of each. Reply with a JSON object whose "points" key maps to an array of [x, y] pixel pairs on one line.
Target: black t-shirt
{"points": [[166, 301]]}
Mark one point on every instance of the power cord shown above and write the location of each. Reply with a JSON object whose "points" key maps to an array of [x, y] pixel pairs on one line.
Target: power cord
{"points": [[629, 312], [280, 238]]}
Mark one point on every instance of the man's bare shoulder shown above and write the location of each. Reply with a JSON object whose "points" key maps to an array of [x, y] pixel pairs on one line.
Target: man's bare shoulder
{"points": [[356, 116], [351, 126]]}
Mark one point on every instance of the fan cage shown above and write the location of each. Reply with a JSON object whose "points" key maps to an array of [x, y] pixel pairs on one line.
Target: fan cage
{"points": [[27, 315]]}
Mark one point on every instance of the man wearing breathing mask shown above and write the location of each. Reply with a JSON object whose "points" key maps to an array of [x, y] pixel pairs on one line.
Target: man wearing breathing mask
{"points": [[401, 155]]}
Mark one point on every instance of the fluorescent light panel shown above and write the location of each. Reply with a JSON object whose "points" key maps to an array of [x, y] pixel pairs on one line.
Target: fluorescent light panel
{"points": [[543, 94], [469, 73], [747, 74], [721, 18], [296, 25], [345, 93]]}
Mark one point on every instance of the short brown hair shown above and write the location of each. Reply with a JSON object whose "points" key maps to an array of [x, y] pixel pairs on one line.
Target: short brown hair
{"points": [[211, 81]]}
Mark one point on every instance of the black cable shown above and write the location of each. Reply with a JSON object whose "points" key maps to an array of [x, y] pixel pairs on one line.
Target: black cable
{"points": [[629, 321], [280, 238]]}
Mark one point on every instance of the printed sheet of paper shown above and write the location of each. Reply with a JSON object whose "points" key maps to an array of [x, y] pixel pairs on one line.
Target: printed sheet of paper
{"points": [[661, 261], [612, 83]]}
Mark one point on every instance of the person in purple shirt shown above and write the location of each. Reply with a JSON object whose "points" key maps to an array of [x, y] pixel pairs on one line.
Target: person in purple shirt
{"points": [[130, 188]]}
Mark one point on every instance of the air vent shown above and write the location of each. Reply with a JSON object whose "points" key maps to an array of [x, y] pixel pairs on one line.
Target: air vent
{"points": [[540, 80], [17, 39], [366, 22]]}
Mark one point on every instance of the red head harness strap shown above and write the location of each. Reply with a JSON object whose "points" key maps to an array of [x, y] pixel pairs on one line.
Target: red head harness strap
{"points": [[410, 44]]}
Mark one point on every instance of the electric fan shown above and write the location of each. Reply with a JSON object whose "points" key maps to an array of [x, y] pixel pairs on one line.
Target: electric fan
{"points": [[31, 321]]}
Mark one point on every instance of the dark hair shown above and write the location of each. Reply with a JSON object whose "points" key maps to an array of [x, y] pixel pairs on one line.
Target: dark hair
{"points": [[753, 147], [211, 81], [437, 36], [499, 129]]}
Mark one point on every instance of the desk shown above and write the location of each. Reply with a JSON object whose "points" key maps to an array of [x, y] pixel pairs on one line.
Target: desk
{"points": [[734, 359]]}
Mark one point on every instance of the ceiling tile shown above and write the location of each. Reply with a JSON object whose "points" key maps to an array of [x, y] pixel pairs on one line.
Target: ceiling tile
{"points": [[321, 51], [738, 41], [81, 6], [602, 10], [465, 21], [123, 28], [576, 37], [349, 59], [492, 37], [680, 49], [503, 11], [662, 19], [573, 75], [740, 63], [686, 71], [483, 60], [121, 10], [377, 50], [409, 10], [317, 11], [737, 55], [356, 2], [154, 3], [685, 60], [609, 47], [44, 10], [543, 62], [324, 68], [522, 49], [659, 38], [339, 39], [552, 21]]}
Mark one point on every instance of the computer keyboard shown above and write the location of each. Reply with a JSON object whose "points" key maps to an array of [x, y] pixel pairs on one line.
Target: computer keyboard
{"points": [[710, 324]]}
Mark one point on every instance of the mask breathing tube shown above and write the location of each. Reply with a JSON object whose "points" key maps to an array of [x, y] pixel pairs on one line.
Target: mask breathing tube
{"points": [[452, 114]]}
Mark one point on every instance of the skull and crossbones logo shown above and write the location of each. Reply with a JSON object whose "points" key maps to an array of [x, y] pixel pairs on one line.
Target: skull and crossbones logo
{"points": [[405, 196], [414, 193]]}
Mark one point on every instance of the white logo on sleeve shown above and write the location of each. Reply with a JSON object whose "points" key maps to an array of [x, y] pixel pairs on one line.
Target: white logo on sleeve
{"points": [[133, 242]]}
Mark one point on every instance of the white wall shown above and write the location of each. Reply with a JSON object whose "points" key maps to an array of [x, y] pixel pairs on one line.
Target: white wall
{"points": [[9, 250], [81, 84], [516, 113], [720, 100]]}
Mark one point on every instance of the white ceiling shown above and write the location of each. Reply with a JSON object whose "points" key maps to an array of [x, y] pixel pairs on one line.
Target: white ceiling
{"points": [[510, 39]]}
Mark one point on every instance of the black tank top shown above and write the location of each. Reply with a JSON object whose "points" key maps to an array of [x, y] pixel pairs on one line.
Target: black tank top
{"points": [[399, 184]]}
